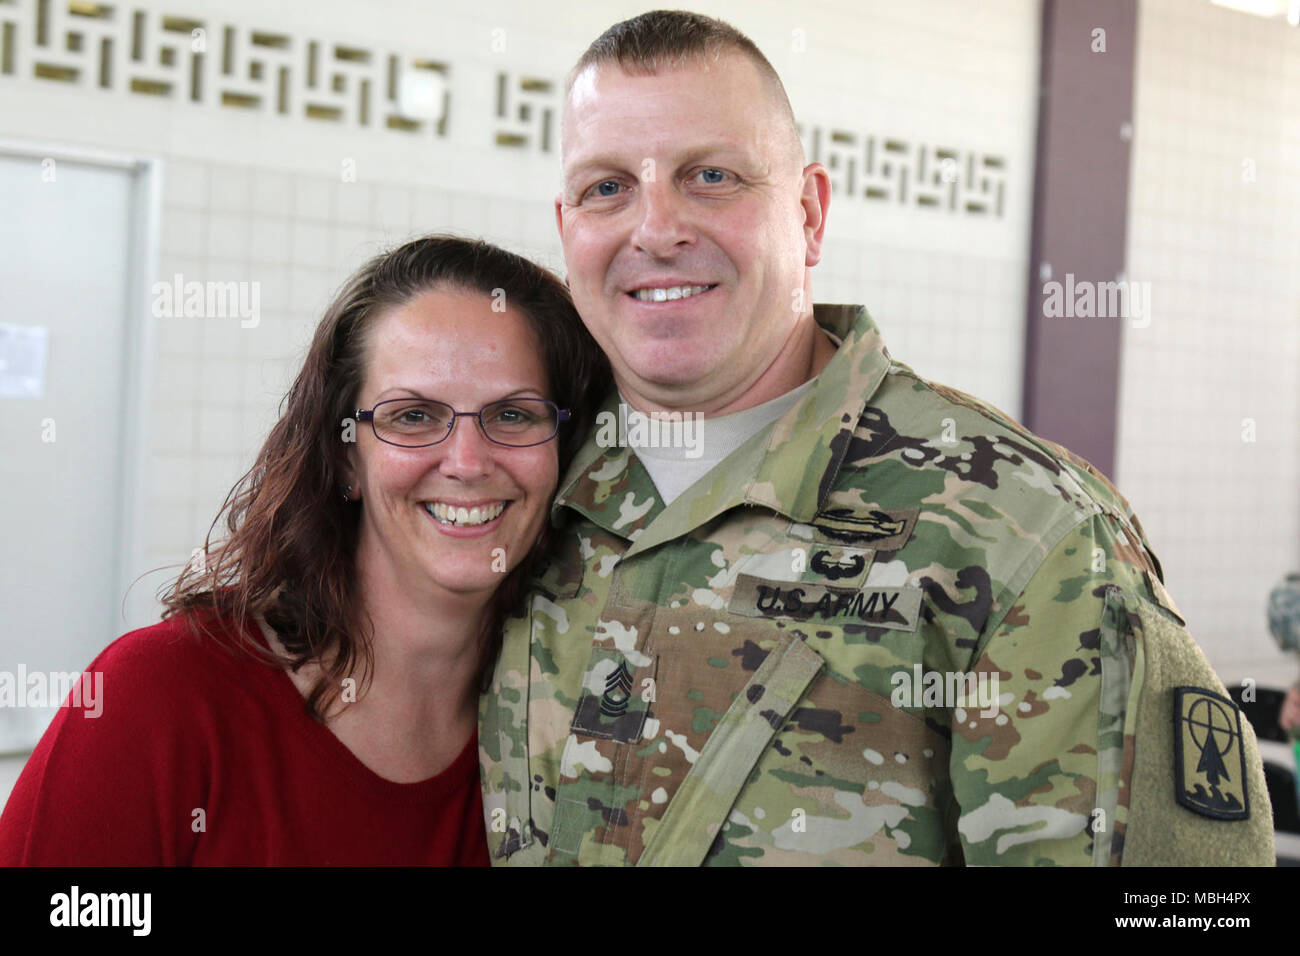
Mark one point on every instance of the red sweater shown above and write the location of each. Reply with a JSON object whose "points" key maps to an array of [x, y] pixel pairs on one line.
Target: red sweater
{"points": [[189, 726]]}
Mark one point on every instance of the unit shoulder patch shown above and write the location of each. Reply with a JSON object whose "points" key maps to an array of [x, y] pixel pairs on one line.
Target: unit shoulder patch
{"points": [[1209, 760]]}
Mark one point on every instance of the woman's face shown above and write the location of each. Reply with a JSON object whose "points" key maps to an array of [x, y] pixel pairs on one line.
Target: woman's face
{"points": [[449, 345]]}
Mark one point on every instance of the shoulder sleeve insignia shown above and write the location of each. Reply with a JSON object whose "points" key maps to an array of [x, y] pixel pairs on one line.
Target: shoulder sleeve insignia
{"points": [[1209, 760]]}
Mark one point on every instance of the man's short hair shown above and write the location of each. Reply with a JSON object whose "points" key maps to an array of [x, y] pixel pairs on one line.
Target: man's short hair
{"points": [[669, 39]]}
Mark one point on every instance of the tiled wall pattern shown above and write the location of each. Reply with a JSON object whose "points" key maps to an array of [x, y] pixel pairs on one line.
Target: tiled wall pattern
{"points": [[1214, 226], [294, 201]]}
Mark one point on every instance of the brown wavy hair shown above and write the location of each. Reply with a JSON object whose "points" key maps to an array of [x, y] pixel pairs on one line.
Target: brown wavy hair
{"points": [[288, 554]]}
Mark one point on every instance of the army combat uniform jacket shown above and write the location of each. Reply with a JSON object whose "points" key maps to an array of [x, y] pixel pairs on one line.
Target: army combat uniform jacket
{"points": [[892, 628]]}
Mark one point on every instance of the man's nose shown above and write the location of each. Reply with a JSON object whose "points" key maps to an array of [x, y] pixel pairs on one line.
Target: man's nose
{"points": [[665, 223], [466, 452]]}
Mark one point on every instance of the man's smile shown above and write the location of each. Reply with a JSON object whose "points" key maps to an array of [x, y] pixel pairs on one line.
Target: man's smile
{"points": [[671, 292]]}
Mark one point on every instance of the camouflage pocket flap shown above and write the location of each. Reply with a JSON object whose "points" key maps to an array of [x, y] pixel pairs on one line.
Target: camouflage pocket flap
{"points": [[700, 807]]}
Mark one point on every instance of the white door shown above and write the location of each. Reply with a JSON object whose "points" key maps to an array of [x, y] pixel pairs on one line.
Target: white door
{"points": [[65, 247]]}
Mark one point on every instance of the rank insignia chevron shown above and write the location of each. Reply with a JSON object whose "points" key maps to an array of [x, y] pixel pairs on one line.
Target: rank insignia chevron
{"points": [[618, 691]]}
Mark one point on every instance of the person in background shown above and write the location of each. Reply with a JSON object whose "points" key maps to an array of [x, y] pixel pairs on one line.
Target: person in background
{"points": [[1284, 625], [864, 618], [1289, 717], [309, 697]]}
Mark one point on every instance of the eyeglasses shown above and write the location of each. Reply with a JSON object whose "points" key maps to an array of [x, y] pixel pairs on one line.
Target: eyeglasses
{"points": [[419, 422]]}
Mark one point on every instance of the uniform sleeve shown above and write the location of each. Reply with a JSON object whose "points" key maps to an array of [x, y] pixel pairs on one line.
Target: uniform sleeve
{"points": [[113, 788], [1112, 741]]}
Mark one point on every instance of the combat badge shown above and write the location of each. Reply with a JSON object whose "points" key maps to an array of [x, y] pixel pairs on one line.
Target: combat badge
{"points": [[881, 530], [1210, 762], [843, 567], [812, 564]]}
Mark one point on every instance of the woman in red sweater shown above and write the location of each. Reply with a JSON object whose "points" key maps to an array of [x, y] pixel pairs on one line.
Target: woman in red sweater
{"points": [[310, 696]]}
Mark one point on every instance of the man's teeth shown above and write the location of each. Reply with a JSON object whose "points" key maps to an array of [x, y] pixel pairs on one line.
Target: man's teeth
{"points": [[451, 514], [673, 292]]}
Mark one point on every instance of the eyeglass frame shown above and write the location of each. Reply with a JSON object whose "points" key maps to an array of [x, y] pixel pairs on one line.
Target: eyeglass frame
{"points": [[562, 415]]}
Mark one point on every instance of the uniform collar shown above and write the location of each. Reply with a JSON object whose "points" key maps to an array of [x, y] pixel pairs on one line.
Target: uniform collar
{"points": [[788, 467]]}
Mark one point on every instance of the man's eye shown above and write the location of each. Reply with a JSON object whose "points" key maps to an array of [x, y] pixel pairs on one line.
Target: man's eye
{"points": [[605, 189], [712, 177]]}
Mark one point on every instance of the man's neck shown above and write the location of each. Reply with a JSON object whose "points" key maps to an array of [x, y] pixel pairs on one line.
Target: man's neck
{"points": [[805, 353]]}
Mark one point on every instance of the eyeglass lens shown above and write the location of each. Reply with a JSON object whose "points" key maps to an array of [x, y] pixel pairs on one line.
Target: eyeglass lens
{"points": [[414, 422]]}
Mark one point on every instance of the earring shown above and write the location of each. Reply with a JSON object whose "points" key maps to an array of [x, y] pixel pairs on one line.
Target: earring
{"points": [[347, 492]]}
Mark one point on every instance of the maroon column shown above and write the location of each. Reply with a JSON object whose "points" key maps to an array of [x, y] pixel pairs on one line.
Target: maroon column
{"points": [[1080, 212]]}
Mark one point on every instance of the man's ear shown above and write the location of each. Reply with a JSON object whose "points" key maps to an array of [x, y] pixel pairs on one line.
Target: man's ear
{"points": [[816, 201], [559, 216]]}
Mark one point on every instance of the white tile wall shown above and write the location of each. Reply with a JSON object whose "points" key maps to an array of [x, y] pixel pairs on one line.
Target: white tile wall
{"points": [[260, 198], [1217, 93]]}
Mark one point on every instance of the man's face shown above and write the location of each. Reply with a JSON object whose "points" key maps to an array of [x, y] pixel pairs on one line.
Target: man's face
{"points": [[687, 222]]}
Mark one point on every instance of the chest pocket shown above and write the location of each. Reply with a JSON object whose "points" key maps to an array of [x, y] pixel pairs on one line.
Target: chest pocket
{"points": [[699, 810], [710, 730], [811, 762]]}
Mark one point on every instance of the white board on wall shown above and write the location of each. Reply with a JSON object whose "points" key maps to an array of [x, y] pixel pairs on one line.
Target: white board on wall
{"points": [[65, 242]]}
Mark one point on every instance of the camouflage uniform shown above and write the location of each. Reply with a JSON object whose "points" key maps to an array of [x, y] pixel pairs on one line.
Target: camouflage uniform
{"points": [[718, 681]]}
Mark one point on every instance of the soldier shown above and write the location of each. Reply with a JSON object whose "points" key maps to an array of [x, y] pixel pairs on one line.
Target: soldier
{"points": [[866, 619]]}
